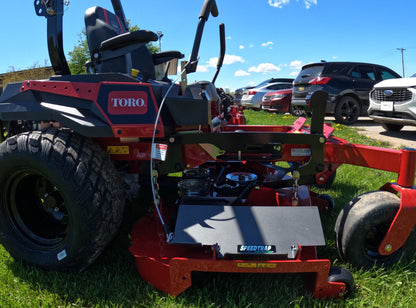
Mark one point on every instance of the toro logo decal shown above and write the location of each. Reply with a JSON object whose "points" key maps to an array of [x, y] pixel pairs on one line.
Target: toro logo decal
{"points": [[133, 102]]}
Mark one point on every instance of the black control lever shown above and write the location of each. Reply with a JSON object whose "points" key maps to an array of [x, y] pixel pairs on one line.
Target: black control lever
{"points": [[209, 7], [222, 52]]}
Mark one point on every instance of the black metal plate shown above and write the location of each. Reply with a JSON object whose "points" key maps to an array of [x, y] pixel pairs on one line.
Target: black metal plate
{"points": [[278, 229]]}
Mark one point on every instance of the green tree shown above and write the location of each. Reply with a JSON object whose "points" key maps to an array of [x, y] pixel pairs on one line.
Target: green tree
{"points": [[80, 54]]}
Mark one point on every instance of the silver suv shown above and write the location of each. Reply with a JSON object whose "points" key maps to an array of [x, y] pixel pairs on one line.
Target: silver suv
{"points": [[393, 103]]}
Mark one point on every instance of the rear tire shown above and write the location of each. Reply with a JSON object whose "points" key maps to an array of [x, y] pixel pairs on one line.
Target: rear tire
{"points": [[61, 199], [392, 127], [362, 225], [347, 110]]}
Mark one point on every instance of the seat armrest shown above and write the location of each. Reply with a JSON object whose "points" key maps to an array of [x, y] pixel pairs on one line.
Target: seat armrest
{"points": [[125, 39], [165, 56]]}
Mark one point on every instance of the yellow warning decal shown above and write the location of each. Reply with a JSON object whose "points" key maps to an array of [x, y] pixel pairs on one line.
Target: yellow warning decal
{"points": [[118, 149], [256, 265]]}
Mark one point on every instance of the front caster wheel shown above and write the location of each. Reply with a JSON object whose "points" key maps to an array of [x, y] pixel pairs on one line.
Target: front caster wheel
{"points": [[340, 274], [362, 225]]}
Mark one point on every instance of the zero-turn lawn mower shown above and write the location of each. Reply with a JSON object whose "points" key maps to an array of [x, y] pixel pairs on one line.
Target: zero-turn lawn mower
{"points": [[74, 145]]}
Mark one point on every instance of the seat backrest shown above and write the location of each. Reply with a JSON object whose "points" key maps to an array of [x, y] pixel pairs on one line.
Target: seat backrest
{"points": [[101, 25]]}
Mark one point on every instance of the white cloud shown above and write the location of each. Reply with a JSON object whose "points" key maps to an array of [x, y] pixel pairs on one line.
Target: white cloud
{"points": [[294, 73], [241, 73], [228, 59], [228, 38], [296, 65], [281, 3], [241, 47], [264, 68], [268, 44], [251, 45], [201, 69], [212, 62], [308, 3], [278, 3]]}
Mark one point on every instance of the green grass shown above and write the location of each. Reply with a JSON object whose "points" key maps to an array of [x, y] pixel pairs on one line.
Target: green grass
{"points": [[112, 281]]}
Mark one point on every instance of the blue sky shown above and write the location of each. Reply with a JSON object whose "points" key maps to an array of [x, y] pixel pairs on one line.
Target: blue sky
{"points": [[265, 38]]}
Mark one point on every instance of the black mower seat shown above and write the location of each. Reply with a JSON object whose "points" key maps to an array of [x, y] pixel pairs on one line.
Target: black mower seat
{"points": [[114, 49]]}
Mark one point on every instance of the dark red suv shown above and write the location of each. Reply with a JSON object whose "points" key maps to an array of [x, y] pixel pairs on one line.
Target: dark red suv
{"points": [[347, 83]]}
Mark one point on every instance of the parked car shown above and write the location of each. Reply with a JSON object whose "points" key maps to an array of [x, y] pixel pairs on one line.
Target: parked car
{"points": [[393, 103], [278, 101], [348, 85], [238, 94], [254, 97]]}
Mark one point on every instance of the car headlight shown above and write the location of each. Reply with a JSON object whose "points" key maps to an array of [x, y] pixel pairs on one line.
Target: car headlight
{"points": [[278, 96]]}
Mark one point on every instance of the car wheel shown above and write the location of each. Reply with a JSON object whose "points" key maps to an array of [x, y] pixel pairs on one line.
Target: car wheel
{"points": [[61, 199], [362, 225], [392, 127], [347, 110], [297, 111]]}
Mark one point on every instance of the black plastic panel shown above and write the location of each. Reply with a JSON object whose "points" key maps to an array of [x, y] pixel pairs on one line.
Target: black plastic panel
{"points": [[279, 229]]}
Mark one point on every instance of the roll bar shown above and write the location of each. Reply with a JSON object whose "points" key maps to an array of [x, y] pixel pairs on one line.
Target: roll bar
{"points": [[53, 10], [118, 10]]}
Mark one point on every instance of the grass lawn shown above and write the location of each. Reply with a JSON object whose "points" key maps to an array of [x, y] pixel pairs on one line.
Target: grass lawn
{"points": [[112, 281]]}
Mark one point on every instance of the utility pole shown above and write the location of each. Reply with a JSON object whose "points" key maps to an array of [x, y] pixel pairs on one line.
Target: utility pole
{"points": [[159, 36], [402, 49]]}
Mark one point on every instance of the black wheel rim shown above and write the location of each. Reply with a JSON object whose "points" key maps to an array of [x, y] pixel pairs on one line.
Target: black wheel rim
{"points": [[36, 208], [298, 111], [349, 111], [373, 240]]}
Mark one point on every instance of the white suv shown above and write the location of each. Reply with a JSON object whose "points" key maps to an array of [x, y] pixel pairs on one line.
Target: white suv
{"points": [[393, 103]]}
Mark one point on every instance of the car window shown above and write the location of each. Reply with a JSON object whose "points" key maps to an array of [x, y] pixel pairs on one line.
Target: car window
{"points": [[279, 86], [385, 74], [333, 68], [263, 83], [309, 73], [355, 73], [364, 72], [367, 72]]}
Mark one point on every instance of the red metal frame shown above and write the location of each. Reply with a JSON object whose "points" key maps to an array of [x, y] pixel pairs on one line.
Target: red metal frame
{"points": [[404, 221], [401, 161], [169, 267]]}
